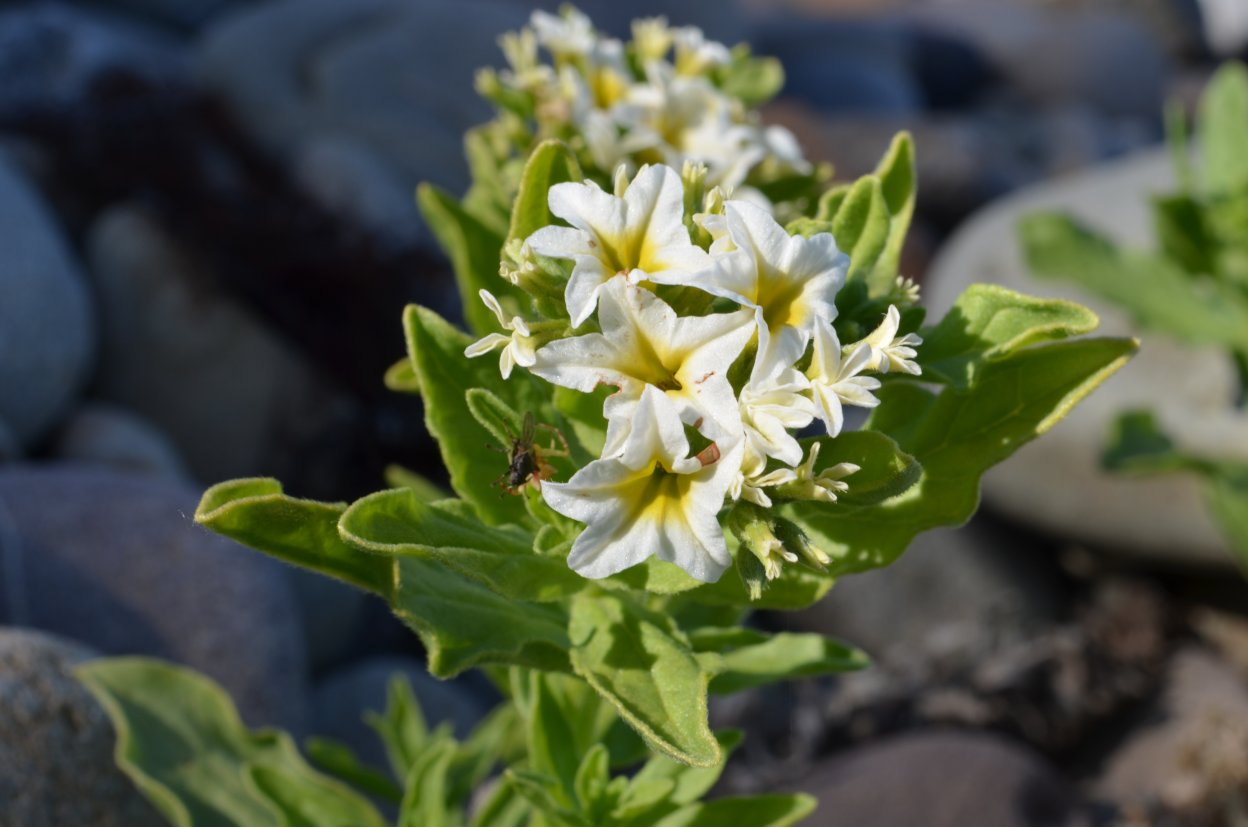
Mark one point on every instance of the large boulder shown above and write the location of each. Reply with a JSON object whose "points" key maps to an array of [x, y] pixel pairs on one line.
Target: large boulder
{"points": [[1057, 482], [113, 560], [47, 327], [56, 743], [231, 394], [942, 780]]}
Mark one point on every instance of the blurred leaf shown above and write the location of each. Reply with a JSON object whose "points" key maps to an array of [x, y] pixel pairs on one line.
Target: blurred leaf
{"points": [[1139, 446], [1157, 293], [401, 377], [757, 811], [752, 80], [180, 740], [401, 726], [337, 759], [1222, 128], [861, 229], [425, 800]]}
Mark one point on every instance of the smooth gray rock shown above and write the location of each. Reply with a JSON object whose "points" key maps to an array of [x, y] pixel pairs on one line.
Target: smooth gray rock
{"points": [[1051, 56], [56, 743], [337, 89], [113, 560], [1057, 482], [341, 700], [1179, 736], [47, 327], [966, 589], [946, 779], [10, 450], [232, 396], [106, 434], [52, 53]]}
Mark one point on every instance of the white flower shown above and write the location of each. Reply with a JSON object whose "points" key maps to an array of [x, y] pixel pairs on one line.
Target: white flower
{"points": [[695, 55], [651, 38], [804, 483], [519, 348], [653, 499], [890, 352], [834, 377], [643, 343], [641, 236], [769, 410], [568, 34], [790, 281]]}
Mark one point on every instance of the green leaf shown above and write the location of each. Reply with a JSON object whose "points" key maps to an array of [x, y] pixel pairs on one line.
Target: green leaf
{"points": [[956, 436], [401, 726], [861, 229], [397, 523], [756, 811], [495, 415], [425, 801], [256, 513], [337, 759], [464, 624], [688, 783], [884, 470], [426, 490], [474, 250], [652, 679], [1222, 128], [489, 197], [1139, 446], [504, 808], [897, 179], [544, 793], [988, 322], [753, 80], [401, 377], [180, 740], [550, 163], [437, 350], [1157, 293], [552, 744], [1184, 236], [592, 777], [784, 656]]}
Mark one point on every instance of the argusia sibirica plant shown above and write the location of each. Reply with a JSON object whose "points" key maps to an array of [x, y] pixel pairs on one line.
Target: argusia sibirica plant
{"points": [[666, 96], [1194, 288], [673, 406]]}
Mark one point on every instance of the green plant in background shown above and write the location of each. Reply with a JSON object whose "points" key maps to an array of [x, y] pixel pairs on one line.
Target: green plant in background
{"points": [[660, 449], [1194, 288]]}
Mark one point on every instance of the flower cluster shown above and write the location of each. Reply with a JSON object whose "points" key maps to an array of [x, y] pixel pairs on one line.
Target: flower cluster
{"points": [[720, 344], [666, 96]]}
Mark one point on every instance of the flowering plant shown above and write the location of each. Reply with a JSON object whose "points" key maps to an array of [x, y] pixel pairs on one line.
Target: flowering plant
{"points": [[675, 377], [1195, 288]]}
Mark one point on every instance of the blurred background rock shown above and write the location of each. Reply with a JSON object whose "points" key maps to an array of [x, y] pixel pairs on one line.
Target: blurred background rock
{"points": [[207, 233]]}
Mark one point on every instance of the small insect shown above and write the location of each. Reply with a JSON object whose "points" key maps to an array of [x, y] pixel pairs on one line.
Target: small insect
{"points": [[527, 463]]}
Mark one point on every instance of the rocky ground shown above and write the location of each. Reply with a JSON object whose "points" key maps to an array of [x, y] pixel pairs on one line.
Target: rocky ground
{"points": [[208, 232]]}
